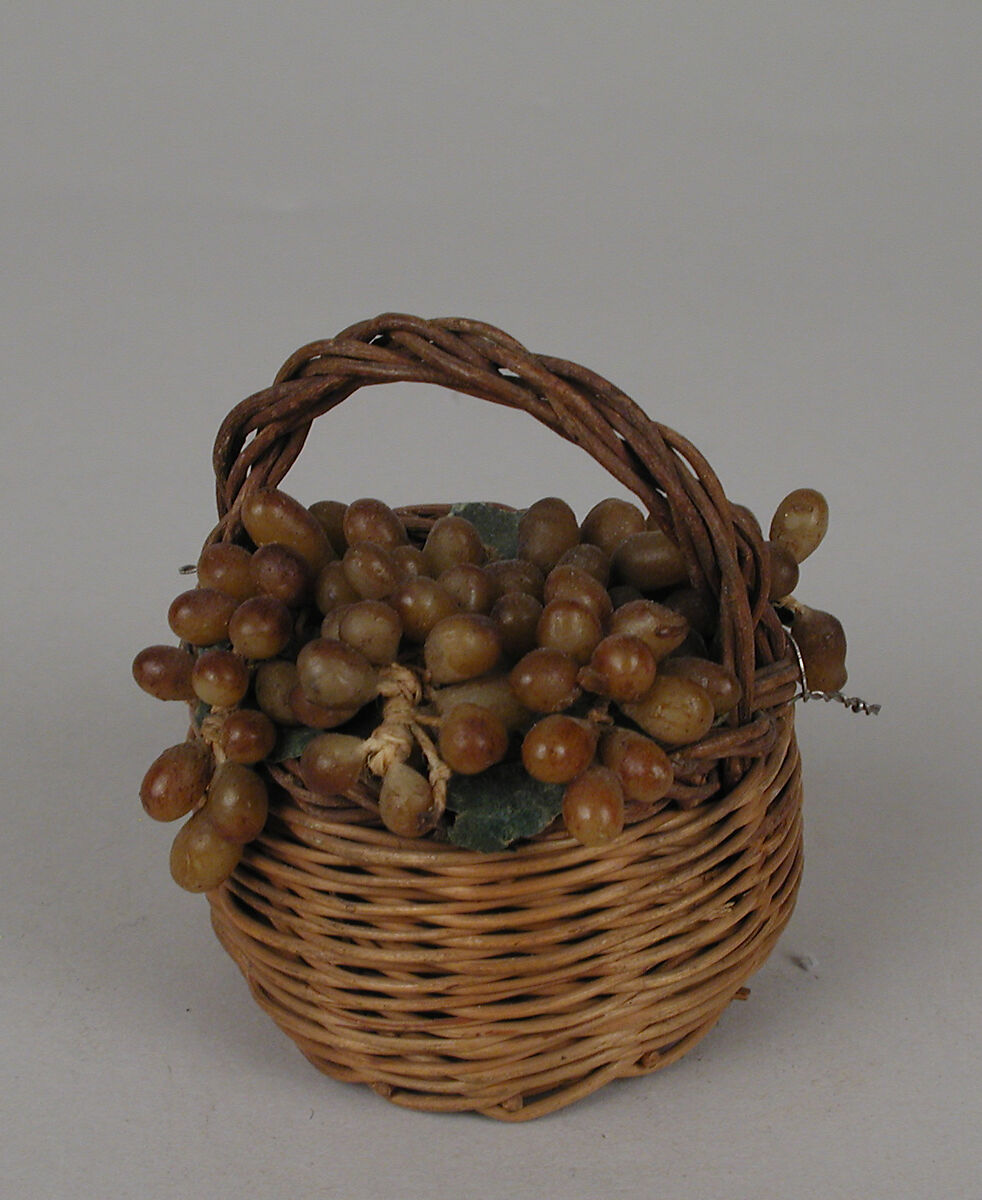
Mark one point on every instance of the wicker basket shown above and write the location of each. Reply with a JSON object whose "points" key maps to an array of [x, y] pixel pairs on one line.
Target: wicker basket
{"points": [[514, 983]]}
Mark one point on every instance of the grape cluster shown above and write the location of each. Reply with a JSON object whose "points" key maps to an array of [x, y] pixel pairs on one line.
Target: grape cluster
{"points": [[587, 657]]}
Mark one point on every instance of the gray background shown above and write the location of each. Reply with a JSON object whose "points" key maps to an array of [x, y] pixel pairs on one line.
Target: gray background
{"points": [[761, 220]]}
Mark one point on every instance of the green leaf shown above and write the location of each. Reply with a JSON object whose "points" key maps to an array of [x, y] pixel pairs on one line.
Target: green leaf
{"points": [[497, 526], [201, 710], [290, 743], [499, 806]]}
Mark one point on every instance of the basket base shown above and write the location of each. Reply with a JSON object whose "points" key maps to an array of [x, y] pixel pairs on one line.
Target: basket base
{"points": [[514, 984]]}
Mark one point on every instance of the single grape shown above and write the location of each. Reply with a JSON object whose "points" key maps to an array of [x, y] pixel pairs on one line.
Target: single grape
{"points": [[332, 762], [650, 561], [722, 685], [270, 515], [544, 680], [461, 647], [641, 765], [676, 711], [588, 558], [220, 678], [330, 516], [517, 616], [800, 522], [201, 616], [822, 642], [611, 522], [472, 738], [546, 531], [373, 628], [567, 626], [237, 803], [370, 520], [470, 586], [332, 588], [492, 692], [696, 607], [784, 570], [200, 858], [578, 585], [450, 541], [660, 628], [621, 667], [317, 716], [164, 672], [558, 748], [247, 736], [422, 603], [283, 574], [334, 675], [410, 561], [593, 806], [176, 781], [516, 575], [331, 625], [261, 627], [225, 567], [274, 681], [405, 803], [371, 570]]}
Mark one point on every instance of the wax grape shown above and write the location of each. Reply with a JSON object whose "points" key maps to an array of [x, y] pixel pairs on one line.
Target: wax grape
{"points": [[472, 738], [593, 806], [164, 672], [200, 858], [176, 781]]}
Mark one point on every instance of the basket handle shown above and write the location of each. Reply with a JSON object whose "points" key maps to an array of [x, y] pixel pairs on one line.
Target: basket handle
{"points": [[262, 436]]}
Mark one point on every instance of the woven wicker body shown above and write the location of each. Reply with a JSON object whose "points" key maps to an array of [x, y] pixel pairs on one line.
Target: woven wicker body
{"points": [[514, 983]]}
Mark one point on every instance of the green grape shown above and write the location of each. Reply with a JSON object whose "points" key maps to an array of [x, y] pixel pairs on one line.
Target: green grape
{"points": [[334, 675], [461, 647], [587, 558], [470, 586], [405, 803], [270, 515], [558, 748], [452, 540], [247, 736], [237, 803], [200, 858], [260, 627], [641, 765], [330, 515], [517, 616], [331, 763], [373, 628], [220, 678], [516, 575], [650, 561], [611, 522], [201, 616], [544, 680], [225, 567], [567, 626], [578, 585], [283, 574], [472, 738], [164, 672], [822, 642], [800, 522], [660, 628], [373, 521], [676, 711], [176, 781], [371, 570], [546, 531], [593, 807], [332, 588], [722, 685], [274, 681], [621, 667], [422, 603]]}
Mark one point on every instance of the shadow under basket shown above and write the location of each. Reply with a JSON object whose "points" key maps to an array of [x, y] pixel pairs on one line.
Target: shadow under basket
{"points": [[514, 983]]}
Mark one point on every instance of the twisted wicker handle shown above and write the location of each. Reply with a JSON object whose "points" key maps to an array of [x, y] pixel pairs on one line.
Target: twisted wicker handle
{"points": [[722, 545]]}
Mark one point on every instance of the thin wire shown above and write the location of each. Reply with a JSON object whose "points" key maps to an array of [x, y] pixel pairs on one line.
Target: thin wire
{"points": [[853, 703]]}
